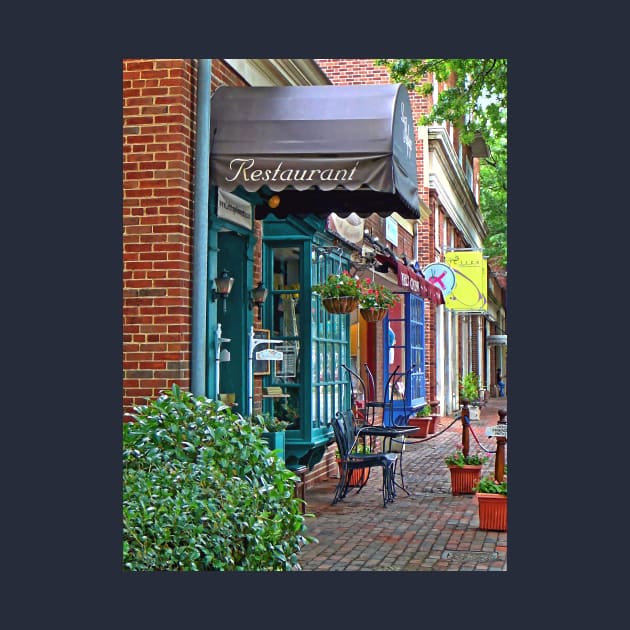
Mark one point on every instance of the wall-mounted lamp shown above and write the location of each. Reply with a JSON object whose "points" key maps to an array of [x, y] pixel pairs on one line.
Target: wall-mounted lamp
{"points": [[258, 297], [223, 287], [274, 201]]}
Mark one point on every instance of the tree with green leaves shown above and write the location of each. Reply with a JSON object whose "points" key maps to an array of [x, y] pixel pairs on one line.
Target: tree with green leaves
{"points": [[475, 102]]}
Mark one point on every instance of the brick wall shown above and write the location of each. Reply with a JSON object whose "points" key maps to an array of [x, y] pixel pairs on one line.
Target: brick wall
{"points": [[159, 102]]}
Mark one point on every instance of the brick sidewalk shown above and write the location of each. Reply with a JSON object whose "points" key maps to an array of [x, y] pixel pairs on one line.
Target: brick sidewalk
{"points": [[430, 530]]}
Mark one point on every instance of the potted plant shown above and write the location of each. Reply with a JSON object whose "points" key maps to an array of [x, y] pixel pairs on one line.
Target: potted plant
{"points": [[469, 388], [359, 476], [434, 416], [492, 499], [465, 471], [340, 293], [422, 420], [274, 430], [375, 301]]}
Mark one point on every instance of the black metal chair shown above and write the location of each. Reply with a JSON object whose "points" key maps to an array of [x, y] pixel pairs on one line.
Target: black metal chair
{"points": [[360, 415], [347, 436], [397, 445], [387, 404]]}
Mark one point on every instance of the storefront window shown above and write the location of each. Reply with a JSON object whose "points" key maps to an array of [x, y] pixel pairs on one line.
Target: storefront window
{"points": [[330, 391], [286, 301], [404, 349]]}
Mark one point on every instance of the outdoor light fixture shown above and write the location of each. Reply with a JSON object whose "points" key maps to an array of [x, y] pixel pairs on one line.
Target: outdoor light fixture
{"points": [[258, 297], [273, 201], [223, 287]]}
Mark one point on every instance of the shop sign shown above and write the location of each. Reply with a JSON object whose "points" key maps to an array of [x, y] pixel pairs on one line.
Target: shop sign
{"points": [[269, 355], [267, 170], [498, 430], [391, 231], [471, 281], [234, 209]]}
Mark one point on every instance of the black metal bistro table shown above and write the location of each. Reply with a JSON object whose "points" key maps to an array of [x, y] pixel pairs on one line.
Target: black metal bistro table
{"points": [[395, 432]]}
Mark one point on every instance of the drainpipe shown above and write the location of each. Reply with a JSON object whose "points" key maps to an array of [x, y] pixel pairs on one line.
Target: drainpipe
{"points": [[415, 251], [200, 231]]}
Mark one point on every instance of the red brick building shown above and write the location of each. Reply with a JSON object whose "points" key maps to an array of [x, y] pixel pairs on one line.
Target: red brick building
{"points": [[163, 161]]}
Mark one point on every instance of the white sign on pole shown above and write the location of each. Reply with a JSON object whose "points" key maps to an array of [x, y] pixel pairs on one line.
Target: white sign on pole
{"points": [[498, 430], [269, 355]]}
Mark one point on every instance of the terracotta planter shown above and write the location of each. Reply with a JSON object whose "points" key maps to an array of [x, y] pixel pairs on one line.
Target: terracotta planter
{"points": [[373, 314], [340, 305], [464, 478], [422, 424], [433, 423], [358, 477], [492, 511]]}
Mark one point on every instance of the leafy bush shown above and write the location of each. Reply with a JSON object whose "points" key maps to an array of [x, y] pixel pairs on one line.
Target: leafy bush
{"points": [[202, 491], [469, 386]]}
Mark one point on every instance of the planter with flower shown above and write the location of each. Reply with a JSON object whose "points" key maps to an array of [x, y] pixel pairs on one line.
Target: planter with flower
{"points": [[434, 416], [359, 476], [465, 471], [375, 301], [492, 499], [340, 293], [422, 420], [469, 389], [274, 431]]}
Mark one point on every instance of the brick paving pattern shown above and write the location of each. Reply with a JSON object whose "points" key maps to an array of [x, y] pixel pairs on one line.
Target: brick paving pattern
{"points": [[430, 530]]}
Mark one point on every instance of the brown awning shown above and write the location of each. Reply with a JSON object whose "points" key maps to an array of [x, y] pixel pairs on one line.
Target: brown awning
{"points": [[325, 148], [406, 278]]}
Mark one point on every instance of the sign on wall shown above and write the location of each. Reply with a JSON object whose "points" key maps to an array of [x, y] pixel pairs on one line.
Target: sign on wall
{"points": [[470, 291], [234, 209], [391, 230]]}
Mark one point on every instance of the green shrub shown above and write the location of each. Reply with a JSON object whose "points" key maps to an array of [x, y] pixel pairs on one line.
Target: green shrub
{"points": [[202, 491], [469, 386]]}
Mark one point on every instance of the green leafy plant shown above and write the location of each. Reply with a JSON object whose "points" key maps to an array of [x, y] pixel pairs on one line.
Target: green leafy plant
{"points": [[359, 447], [202, 491], [339, 285], [490, 485], [459, 459], [469, 386], [376, 296], [287, 412], [271, 424], [425, 411]]}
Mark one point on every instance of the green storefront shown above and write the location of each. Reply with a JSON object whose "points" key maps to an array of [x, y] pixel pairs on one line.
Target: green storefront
{"points": [[316, 150]]}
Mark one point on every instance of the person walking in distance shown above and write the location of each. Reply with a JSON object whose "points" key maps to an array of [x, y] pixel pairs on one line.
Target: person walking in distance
{"points": [[500, 383]]}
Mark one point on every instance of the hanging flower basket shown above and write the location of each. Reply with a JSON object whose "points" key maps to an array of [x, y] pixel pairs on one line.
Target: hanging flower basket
{"points": [[373, 314], [340, 305]]}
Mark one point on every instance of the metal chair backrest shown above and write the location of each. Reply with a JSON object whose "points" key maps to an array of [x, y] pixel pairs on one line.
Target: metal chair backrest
{"points": [[358, 380], [405, 395], [345, 433], [371, 384]]}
